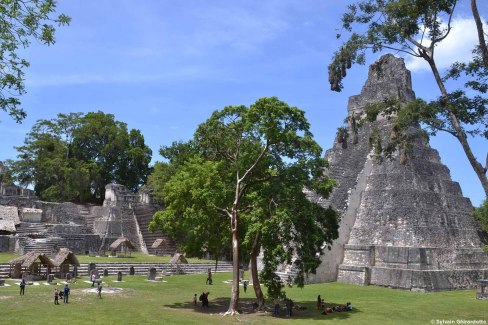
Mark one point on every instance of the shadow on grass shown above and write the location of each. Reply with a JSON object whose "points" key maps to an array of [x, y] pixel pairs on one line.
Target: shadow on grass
{"points": [[220, 306]]}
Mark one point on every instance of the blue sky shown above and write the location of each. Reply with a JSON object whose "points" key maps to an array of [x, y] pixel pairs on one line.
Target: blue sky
{"points": [[163, 66]]}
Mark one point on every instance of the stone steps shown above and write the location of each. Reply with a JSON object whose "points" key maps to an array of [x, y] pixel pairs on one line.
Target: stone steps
{"points": [[144, 215], [27, 228], [86, 215], [47, 246]]}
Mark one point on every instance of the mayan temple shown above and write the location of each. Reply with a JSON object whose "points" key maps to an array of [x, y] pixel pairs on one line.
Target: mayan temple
{"points": [[402, 225]]}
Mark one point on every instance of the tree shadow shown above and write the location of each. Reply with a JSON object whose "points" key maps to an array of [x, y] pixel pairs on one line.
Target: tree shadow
{"points": [[220, 305]]}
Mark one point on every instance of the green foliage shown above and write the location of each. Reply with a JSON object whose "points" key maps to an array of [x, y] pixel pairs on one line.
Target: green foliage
{"points": [[390, 24], [481, 214], [73, 157], [246, 169], [191, 196], [20, 23], [405, 120], [474, 72], [5, 173]]}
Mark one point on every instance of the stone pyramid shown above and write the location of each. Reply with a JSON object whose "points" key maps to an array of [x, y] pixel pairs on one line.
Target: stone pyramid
{"points": [[403, 226]]}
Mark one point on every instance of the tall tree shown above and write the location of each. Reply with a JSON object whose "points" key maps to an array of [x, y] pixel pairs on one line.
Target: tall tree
{"points": [[122, 157], [242, 156], [481, 33], [415, 27], [20, 22], [73, 157]]}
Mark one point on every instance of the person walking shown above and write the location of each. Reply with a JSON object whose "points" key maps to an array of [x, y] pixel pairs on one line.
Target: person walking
{"points": [[22, 287], [56, 296], [66, 294], [244, 285]]}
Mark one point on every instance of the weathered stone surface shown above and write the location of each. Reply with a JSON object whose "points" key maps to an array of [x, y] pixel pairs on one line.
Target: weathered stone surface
{"points": [[152, 274], [47, 226], [403, 226], [482, 292]]}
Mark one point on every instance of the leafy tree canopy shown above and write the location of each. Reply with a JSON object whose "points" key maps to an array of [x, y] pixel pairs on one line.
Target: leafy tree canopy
{"points": [[73, 157], [242, 177]]}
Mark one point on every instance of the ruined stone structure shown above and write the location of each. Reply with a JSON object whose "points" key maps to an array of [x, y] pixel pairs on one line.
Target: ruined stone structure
{"points": [[27, 224], [402, 225]]}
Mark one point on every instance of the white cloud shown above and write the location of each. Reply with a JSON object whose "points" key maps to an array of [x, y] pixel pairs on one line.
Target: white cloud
{"points": [[456, 47], [185, 73]]}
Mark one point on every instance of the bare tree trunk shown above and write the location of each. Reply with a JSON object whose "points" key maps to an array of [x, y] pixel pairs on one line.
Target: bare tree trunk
{"points": [[460, 135], [254, 271], [481, 34], [234, 299]]}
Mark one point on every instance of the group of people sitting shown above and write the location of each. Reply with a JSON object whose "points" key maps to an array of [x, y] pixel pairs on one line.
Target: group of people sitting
{"points": [[322, 305]]}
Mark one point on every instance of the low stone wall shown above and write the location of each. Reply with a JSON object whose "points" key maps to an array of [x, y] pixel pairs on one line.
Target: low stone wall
{"points": [[427, 280], [413, 268], [360, 255], [357, 275]]}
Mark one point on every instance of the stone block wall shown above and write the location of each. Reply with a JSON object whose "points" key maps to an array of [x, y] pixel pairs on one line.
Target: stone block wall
{"points": [[357, 275], [31, 215]]}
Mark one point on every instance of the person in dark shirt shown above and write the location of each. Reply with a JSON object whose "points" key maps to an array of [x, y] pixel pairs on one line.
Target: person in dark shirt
{"points": [[22, 287]]}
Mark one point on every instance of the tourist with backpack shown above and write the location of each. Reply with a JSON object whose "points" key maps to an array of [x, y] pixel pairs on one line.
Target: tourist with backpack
{"points": [[66, 294]]}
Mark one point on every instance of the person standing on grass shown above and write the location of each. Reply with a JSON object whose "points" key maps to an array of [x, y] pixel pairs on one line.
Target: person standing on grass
{"points": [[209, 277], [244, 285], [56, 296], [195, 300], [66, 294], [276, 312], [319, 302], [93, 277], [99, 290], [22, 287]]}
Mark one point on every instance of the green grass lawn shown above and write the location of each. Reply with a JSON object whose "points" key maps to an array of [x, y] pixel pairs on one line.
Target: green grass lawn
{"points": [[144, 302], [134, 258]]}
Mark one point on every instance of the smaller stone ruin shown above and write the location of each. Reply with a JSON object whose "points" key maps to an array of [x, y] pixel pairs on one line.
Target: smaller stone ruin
{"points": [[31, 215]]}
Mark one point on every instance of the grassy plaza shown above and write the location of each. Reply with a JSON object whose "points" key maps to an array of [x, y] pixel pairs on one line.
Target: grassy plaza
{"points": [[138, 301]]}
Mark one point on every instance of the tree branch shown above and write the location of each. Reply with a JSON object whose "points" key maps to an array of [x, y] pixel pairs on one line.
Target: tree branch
{"points": [[224, 211], [481, 36], [258, 160]]}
